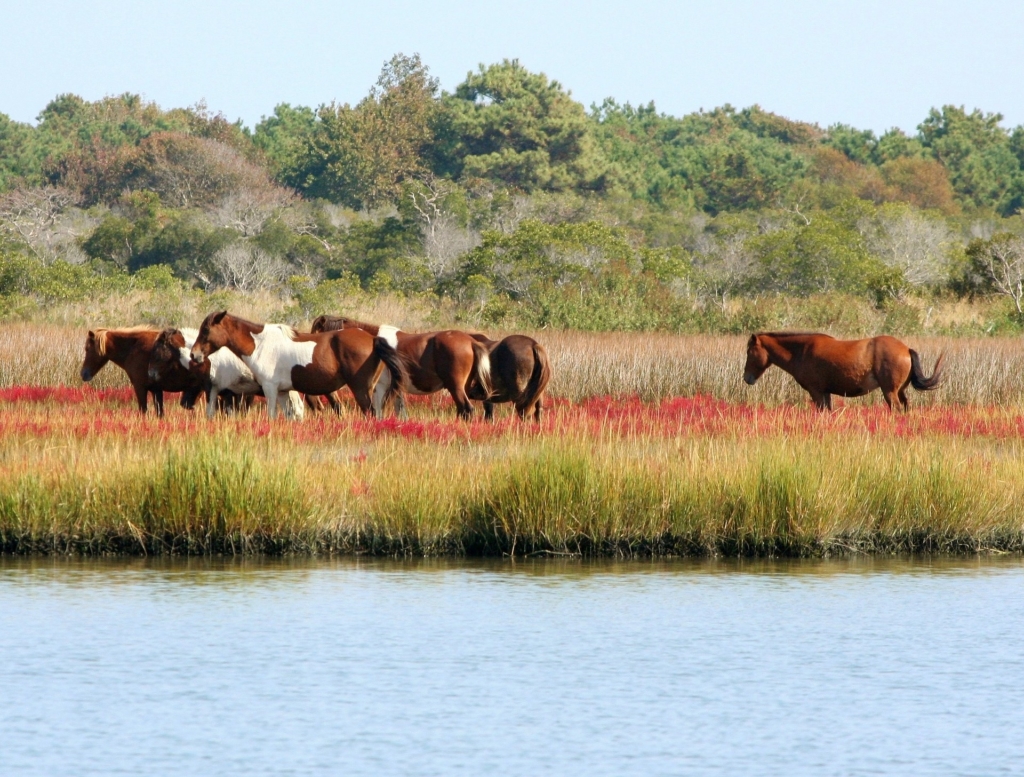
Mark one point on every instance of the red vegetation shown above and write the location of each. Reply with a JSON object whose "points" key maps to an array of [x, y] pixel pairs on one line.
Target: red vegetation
{"points": [[86, 412]]}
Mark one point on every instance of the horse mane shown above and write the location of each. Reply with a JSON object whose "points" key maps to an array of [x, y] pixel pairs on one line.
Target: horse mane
{"points": [[285, 329], [101, 335], [334, 323], [793, 333]]}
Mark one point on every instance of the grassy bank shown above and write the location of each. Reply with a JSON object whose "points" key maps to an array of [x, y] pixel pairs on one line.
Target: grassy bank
{"points": [[695, 477]]}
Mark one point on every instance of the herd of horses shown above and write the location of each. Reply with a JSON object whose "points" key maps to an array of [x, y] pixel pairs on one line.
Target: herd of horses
{"points": [[231, 361]]}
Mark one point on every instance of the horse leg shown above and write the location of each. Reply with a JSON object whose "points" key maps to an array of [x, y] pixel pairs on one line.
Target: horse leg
{"points": [[364, 400], [488, 411], [332, 400], [536, 410], [822, 400], [158, 402], [141, 396], [270, 392]]}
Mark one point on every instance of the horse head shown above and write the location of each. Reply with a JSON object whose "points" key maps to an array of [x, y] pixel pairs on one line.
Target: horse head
{"points": [[757, 360], [95, 354], [166, 352], [215, 333]]}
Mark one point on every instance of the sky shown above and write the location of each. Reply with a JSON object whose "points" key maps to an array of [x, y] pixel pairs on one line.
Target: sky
{"points": [[873, 64]]}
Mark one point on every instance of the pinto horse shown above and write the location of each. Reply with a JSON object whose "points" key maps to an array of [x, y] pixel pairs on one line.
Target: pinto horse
{"points": [[435, 360], [520, 373], [130, 349], [282, 359], [227, 378], [824, 366]]}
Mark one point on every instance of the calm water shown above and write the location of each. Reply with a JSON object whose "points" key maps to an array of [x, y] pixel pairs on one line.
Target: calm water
{"points": [[865, 667]]}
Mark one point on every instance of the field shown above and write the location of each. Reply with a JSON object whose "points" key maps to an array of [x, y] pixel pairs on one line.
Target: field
{"points": [[653, 445]]}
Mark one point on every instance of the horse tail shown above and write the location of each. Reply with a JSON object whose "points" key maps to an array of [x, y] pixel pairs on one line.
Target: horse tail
{"points": [[917, 378], [396, 366], [538, 379], [482, 367]]}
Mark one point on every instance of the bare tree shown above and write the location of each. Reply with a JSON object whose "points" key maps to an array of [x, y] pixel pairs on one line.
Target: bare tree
{"points": [[248, 268], [914, 244], [46, 221], [1001, 262], [444, 239], [249, 208]]}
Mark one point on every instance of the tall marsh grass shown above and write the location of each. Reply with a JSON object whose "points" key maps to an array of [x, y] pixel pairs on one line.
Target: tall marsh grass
{"points": [[650, 366], [600, 480]]}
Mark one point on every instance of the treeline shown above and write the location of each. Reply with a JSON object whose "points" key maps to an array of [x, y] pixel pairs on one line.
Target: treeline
{"points": [[509, 200]]}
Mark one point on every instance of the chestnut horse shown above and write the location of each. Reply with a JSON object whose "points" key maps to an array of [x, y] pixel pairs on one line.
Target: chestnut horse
{"points": [[229, 383], [824, 366], [282, 359], [130, 349], [520, 372], [435, 360]]}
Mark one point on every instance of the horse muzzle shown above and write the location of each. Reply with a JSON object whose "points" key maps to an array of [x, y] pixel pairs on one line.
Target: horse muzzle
{"points": [[86, 374], [749, 379], [154, 373], [197, 357]]}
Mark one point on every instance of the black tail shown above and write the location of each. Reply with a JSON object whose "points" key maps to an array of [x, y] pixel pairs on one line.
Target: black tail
{"points": [[396, 366], [538, 380], [917, 378]]}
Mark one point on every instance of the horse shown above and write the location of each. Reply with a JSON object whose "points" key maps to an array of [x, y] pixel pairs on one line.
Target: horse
{"points": [[824, 366], [282, 359], [520, 373], [434, 360], [130, 349], [229, 382]]}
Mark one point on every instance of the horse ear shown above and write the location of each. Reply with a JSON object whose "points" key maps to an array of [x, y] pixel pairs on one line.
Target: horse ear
{"points": [[218, 317], [92, 335], [753, 341]]}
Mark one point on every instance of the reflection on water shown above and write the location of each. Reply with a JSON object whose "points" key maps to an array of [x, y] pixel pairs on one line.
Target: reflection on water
{"points": [[548, 666]]}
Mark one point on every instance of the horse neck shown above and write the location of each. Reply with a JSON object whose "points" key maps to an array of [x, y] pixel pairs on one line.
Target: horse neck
{"points": [[240, 337], [782, 352], [121, 344]]}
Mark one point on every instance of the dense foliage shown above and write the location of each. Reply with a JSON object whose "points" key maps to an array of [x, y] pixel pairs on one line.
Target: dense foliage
{"points": [[510, 200]]}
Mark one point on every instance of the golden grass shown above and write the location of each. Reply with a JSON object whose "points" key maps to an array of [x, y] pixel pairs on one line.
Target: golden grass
{"points": [[651, 366]]}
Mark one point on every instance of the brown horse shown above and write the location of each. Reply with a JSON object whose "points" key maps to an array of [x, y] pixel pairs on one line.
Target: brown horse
{"points": [[824, 366], [435, 360], [520, 372], [130, 349], [282, 359]]}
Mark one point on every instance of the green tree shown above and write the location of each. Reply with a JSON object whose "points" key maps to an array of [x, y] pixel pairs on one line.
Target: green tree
{"points": [[360, 156], [977, 152], [504, 123], [827, 254]]}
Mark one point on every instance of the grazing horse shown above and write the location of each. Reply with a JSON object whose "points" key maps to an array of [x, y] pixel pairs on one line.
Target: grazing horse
{"points": [[824, 366], [227, 377], [282, 359], [520, 372], [130, 349], [435, 360]]}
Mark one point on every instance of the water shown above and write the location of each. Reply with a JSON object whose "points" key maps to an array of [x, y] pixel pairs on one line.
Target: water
{"points": [[845, 668]]}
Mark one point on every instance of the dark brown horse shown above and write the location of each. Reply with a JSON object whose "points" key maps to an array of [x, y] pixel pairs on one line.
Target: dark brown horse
{"points": [[824, 366], [130, 349], [282, 359], [435, 360], [520, 373]]}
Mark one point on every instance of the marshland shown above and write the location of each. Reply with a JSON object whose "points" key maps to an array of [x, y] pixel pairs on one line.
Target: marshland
{"points": [[652, 445]]}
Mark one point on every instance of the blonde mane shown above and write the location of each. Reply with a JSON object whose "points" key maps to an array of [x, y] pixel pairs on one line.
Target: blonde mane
{"points": [[101, 335]]}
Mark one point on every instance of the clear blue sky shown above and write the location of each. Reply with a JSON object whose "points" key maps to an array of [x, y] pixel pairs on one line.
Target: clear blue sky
{"points": [[873, 63]]}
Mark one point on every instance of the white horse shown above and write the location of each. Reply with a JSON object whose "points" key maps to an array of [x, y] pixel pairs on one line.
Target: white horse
{"points": [[229, 373]]}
